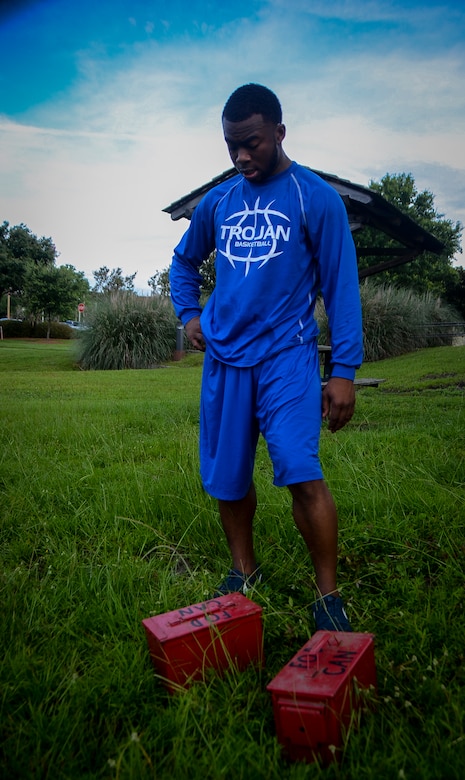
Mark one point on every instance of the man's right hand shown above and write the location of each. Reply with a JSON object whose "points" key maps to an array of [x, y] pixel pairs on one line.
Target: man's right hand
{"points": [[194, 333]]}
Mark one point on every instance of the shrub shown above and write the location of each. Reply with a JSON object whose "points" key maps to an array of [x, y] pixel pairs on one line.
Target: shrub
{"points": [[396, 320], [58, 330], [126, 331], [13, 328], [36, 330]]}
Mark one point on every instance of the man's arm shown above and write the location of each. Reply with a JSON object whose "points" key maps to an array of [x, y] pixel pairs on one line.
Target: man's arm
{"points": [[185, 280], [340, 287]]}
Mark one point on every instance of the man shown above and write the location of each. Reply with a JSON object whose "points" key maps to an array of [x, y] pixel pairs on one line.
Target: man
{"points": [[281, 235]]}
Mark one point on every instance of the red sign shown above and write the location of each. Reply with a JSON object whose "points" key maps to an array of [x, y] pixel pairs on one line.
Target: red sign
{"points": [[81, 306]]}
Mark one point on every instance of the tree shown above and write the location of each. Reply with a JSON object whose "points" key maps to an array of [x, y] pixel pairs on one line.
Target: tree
{"points": [[107, 281], [25, 246], [20, 248], [428, 272], [159, 283], [208, 272], [455, 291], [11, 273], [53, 292]]}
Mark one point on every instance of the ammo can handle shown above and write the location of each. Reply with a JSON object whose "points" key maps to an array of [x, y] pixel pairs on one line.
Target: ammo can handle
{"points": [[215, 607], [323, 640]]}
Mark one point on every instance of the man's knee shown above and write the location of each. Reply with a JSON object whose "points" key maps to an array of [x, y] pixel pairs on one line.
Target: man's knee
{"points": [[308, 491]]}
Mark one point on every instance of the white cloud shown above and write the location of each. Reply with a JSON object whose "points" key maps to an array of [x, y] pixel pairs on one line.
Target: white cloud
{"points": [[100, 196]]}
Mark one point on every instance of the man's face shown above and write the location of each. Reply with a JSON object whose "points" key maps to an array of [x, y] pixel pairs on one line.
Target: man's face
{"points": [[254, 146]]}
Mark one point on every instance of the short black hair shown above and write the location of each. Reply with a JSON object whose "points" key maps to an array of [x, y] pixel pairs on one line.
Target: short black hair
{"points": [[253, 99]]}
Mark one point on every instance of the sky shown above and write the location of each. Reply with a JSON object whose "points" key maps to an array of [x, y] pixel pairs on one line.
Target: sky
{"points": [[110, 110]]}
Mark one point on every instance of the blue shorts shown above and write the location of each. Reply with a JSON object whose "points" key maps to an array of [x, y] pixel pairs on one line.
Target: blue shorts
{"points": [[279, 398]]}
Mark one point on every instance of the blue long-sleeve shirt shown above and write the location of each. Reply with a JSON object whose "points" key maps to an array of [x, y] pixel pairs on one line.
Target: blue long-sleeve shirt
{"points": [[278, 243]]}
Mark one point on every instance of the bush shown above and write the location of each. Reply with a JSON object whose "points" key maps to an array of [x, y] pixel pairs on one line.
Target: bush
{"points": [[128, 332], [58, 330], [396, 320], [13, 328], [36, 330]]}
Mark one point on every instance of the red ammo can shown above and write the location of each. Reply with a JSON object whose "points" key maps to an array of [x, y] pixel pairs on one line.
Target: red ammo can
{"points": [[215, 634], [316, 694]]}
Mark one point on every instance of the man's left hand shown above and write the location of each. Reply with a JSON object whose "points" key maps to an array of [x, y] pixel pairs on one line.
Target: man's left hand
{"points": [[338, 402]]}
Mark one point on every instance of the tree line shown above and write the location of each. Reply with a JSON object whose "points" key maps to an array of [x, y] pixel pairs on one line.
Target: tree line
{"points": [[39, 289], [29, 275]]}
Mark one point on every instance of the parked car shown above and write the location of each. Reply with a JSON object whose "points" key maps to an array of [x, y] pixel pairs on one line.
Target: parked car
{"points": [[74, 324]]}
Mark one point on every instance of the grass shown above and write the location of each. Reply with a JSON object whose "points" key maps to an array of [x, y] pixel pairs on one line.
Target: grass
{"points": [[104, 522], [128, 332], [397, 320]]}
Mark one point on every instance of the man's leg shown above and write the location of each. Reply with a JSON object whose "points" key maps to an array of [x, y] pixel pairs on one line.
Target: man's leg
{"points": [[315, 516], [237, 519]]}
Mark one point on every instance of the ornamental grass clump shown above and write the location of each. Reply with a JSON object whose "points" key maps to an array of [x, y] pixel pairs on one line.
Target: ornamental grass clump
{"points": [[389, 320], [399, 320], [396, 320], [126, 331]]}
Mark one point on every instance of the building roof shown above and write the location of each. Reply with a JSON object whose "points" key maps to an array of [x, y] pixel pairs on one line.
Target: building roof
{"points": [[364, 208]]}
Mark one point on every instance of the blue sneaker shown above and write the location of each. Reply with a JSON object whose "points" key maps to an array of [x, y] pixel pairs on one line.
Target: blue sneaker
{"points": [[330, 615], [238, 582]]}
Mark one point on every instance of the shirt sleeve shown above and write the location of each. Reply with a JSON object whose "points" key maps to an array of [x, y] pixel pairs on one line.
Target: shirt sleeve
{"points": [[195, 246], [334, 249]]}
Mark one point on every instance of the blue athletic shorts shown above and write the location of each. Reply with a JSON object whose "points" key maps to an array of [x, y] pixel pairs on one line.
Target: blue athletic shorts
{"points": [[279, 398]]}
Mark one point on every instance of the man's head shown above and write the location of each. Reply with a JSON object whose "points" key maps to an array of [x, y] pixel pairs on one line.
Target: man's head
{"points": [[253, 131], [253, 99]]}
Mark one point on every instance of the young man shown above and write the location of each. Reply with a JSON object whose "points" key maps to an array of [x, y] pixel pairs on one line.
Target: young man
{"points": [[281, 235]]}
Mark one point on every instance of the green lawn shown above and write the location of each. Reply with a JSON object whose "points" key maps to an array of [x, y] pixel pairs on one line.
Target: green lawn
{"points": [[104, 522]]}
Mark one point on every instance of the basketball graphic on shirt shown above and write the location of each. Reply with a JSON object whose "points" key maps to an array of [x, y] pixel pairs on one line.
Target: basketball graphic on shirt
{"points": [[254, 235]]}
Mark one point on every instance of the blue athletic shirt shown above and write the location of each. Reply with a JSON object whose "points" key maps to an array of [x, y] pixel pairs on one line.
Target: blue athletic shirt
{"points": [[278, 243]]}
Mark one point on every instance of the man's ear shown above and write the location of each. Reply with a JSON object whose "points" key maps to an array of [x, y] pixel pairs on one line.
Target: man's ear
{"points": [[280, 133]]}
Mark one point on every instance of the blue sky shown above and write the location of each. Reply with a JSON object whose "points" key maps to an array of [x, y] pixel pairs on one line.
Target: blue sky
{"points": [[110, 109]]}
